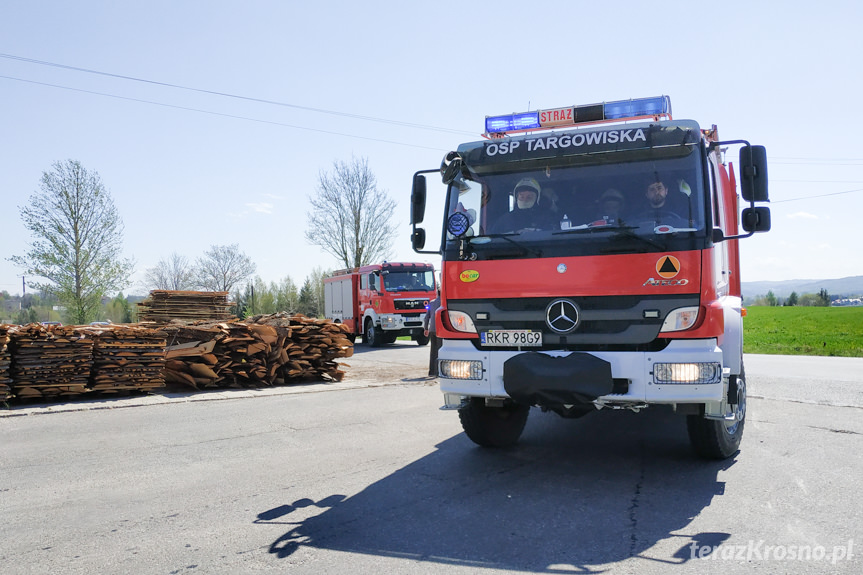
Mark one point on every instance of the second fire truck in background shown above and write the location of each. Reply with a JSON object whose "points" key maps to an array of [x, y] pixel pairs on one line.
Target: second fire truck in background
{"points": [[381, 302]]}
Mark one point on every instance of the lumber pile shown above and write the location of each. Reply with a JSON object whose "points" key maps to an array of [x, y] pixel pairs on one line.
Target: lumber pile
{"points": [[163, 306], [127, 358], [45, 362], [262, 351], [49, 361], [5, 358], [312, 346]]}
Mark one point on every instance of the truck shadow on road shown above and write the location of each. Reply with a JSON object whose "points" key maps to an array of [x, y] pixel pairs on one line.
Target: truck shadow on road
{"points": [[573, 495]]}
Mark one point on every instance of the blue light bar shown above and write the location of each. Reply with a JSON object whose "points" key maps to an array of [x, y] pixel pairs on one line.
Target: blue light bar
{"points": [[512, 122], [574, 115], [660, 105]]}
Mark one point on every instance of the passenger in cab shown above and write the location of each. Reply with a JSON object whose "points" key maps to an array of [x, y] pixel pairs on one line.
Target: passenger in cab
{"points": [[610, 207], [528, 213]]}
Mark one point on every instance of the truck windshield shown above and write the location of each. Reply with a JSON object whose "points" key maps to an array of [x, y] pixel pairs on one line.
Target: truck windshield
{"points": [[409, 281], [583, 208]]}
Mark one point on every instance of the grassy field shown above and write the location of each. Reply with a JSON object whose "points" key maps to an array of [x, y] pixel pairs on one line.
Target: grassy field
{"points": [[833, 331]]}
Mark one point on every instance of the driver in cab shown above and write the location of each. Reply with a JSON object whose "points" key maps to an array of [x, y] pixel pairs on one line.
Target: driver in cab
{"points": [[660, 207], [528, 214]]}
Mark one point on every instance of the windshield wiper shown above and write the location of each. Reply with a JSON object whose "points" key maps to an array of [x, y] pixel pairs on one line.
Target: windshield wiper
{"points": [[587, 230], [627, 233], [525, 249]]}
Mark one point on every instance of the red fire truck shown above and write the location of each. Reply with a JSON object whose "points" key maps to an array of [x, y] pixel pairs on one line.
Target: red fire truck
{"points": [[381, 302], [590, 262]]}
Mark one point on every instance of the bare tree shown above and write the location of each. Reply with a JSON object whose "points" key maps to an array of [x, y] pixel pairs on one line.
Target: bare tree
{"points": [[223, 267], [317, 276], [173, 274], [78, 240], [351, 218]]}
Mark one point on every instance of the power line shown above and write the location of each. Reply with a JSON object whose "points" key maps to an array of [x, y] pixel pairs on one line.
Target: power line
{"points": [[274, 123], [271, 122], [818, 181], [235, 96], [817, 159], [817, 163], [816, 196], [783, 160]]}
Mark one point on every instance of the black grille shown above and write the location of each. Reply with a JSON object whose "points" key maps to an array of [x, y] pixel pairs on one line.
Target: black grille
{"points": [[606, 322], [411, 304]]}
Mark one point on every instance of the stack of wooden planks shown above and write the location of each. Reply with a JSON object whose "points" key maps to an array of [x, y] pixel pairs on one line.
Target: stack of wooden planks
{"points": [[192, 359], [49, 361], [312, 346], [263, 350], [162, 306], [127, 358], [5, 379]]}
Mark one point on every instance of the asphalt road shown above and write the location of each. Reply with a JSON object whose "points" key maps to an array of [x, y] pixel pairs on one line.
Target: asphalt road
{"points": [[368, 476]]}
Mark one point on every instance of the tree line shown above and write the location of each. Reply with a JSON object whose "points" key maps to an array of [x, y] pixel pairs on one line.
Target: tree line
{"points": [[46, 307], [821, 299], [227, 269], [77, 236], [251, 298]]}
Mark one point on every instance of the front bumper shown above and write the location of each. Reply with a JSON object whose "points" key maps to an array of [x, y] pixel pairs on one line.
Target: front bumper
{"points": [[562, 377], [397, 322]]}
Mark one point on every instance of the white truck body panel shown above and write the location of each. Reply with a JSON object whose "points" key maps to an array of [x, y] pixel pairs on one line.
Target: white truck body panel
{"points": [[339, 299]]}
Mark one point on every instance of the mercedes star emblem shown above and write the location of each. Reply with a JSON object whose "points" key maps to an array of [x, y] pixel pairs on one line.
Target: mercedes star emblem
{"points": [[561, 315]]}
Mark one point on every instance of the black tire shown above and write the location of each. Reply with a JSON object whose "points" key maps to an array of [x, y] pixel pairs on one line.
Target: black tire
{"points": [[421, 339], [493, 426], [373, 336], [713, 439], [389, 337]]}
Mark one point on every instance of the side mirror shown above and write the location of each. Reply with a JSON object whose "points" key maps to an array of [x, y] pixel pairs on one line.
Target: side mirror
{"points": [[450, 167], [755, 219], [418, 239], [418, 199], [753, 175]]}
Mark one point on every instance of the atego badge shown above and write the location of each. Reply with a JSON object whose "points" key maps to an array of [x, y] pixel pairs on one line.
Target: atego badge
{"points": [[667, 267]]}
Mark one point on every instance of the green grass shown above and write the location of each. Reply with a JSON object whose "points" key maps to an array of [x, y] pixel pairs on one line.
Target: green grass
{"points": [[831, 331]]}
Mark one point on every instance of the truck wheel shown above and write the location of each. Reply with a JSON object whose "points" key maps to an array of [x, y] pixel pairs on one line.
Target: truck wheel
{"points": [[373, 336], [493, 426], [421, 339], [713, 439]]}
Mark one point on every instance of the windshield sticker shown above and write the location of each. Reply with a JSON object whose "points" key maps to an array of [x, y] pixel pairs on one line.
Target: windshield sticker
{"points": [[468, 276]]}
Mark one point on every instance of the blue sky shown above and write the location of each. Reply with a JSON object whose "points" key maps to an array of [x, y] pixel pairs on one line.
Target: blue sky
{"points": [[400, 84]]}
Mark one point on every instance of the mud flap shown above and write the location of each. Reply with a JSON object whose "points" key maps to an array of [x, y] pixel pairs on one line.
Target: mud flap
{"points": [[539, 379]]}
